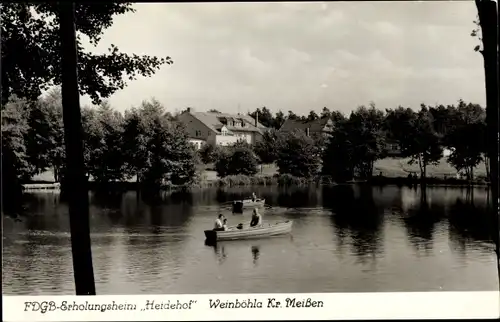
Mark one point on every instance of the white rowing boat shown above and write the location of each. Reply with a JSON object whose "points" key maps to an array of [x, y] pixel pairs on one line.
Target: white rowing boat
{"points": [[239, 205], [262, 231]]}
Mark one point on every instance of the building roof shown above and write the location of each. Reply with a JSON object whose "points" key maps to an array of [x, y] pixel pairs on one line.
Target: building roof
{"points": [[313, 126], [214, 121]]}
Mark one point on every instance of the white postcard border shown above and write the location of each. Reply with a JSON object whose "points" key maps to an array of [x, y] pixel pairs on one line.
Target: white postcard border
{"points": [[302, 306]]}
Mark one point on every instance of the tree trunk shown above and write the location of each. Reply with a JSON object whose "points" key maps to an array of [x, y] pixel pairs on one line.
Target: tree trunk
{"points": [[488, 19], [73, 136], [424, 168], [420, 166], [487, 166]]}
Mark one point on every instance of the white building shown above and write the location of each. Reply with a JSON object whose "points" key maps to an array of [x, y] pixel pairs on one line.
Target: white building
{"points": [[220, 128]]}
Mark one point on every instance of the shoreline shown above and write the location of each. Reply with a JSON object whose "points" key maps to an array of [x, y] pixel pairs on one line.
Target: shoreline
{"points": [[276, 180]]}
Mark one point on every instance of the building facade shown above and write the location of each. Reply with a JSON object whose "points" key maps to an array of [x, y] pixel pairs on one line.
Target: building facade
{"points": [[220, 128]]}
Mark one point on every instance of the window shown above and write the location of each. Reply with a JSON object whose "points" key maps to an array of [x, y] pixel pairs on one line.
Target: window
{"points": [[198, 133]]}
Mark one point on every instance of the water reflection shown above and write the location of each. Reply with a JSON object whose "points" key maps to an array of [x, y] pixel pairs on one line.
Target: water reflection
{"points": [[356, 220], [345, 239], [255, 254], [470, 225], [421, 221], [219, 251]]}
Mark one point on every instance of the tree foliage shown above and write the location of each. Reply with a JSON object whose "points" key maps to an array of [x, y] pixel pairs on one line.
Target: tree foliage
{"points": [[264, 116], [31, 64], [467, 138], [235, 160], [31, 60], [417, 136], [267, 148], [368, 137], [148, 143], [15, 129], [157, 149], [104, 148], [45, 139], [338, 156], [208, 153], [298, 155]]}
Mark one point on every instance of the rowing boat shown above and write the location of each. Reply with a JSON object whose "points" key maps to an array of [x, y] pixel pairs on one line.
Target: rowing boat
{"points": [[262, 231], [250, 203], [239, 205]]}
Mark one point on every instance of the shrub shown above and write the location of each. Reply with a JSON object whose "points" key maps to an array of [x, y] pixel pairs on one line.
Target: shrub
{"points": [[236, 161], [208, 153]]}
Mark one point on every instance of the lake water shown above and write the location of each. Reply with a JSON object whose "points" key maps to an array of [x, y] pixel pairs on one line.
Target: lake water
{"points": [[344, 239]]}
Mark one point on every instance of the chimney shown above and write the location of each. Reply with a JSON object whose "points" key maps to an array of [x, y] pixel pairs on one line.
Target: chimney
{"points": [[188, 109], [256, 118]]}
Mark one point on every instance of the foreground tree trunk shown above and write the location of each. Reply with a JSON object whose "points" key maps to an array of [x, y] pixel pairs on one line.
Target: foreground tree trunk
{"points": [[488, 19], [77, 191], [487, 166]]}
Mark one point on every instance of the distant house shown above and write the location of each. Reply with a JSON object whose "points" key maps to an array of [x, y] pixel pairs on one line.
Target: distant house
{"points": [[323, 126], [220, 128]]}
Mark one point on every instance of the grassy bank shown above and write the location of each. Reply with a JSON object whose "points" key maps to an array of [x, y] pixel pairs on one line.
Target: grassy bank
{"points": [[394, 168]]}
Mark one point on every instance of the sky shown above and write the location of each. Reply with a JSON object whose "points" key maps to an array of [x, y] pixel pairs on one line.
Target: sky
{"points": [[236, 57]]}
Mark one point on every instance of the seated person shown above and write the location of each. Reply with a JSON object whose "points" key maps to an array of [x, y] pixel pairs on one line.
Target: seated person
{"points": [[256, 219], [218, 222], [254, 197], [224, 224]]}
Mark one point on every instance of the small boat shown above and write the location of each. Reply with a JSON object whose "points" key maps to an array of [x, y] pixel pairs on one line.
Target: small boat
{"points": [[239, 205], [263, 231]]}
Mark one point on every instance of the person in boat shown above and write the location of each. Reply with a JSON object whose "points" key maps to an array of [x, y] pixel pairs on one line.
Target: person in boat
{"points": [[224, 224], [256, 219], [219, 222], [254, 197]]}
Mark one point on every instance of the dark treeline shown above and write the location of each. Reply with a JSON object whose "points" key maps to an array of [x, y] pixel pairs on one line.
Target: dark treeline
{"points": [[144, 142], [364, 136], [149, 144], [360, 139]]}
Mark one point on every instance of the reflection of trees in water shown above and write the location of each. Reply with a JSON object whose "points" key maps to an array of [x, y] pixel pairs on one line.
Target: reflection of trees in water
{"points": [[470, 221], [296, 197], [45, 212], [420, 221], [156, 233], [355, 216], [106, 200], [166, 211], [109, 204]]}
